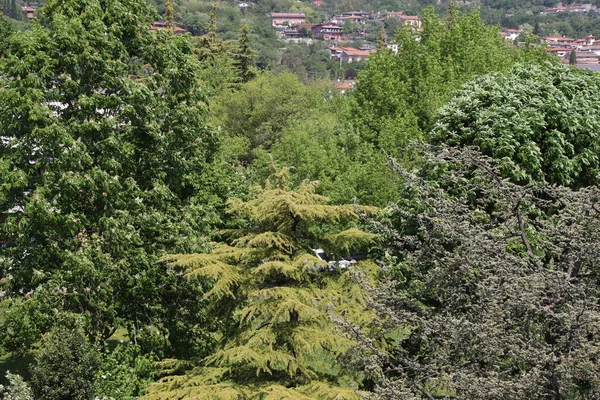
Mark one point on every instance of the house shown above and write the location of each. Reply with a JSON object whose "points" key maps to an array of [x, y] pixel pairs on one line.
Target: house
{"points": [[344, 86], [349, 54], [159, 26], [29, 12], [511, 34], [586, 57], [356, 17], [580, 8], [243, 5], [553, 10], [575, 8], [390, 14], [411, 20], [290, 33], [554, 41], [327, 31], [559, 51], [282, 20]]}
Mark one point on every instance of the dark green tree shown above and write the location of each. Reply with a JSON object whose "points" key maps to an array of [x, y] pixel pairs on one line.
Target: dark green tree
{"points": [[65, 366], [483, 298], [244, 55], [573, 57], [6, 30], [106, 144]]}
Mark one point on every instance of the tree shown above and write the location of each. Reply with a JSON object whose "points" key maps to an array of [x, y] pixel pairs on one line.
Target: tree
{"points": [[573, 57], [381, 40], [397, 95], [6, 30], [17, 388], [12, 10], [244, 55], [490, 288], [107, 144], [210, 45], [261, 108], [536, 120], [272, 294], [170, 14], [65, 366]]}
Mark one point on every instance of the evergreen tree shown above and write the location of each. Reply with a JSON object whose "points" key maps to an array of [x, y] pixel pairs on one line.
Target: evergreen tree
{"points": [[273, 295], [210, 46], [573, 57], [170, 14], [491, 288], [6, 30], [381, 40], [244, 55], [65, 367]]}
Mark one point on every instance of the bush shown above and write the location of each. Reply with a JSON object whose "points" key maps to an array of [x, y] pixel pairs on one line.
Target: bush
{"points": [[66, 365]]}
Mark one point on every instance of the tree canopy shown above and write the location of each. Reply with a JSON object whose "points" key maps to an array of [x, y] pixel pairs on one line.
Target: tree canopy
{"points": [[490, 288], [398, 95], [105, 144], [272, 292], [538, 120]]}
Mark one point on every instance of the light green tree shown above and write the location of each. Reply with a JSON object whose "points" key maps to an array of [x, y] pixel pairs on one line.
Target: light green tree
{"points": [[272, 295], [398, 95]]}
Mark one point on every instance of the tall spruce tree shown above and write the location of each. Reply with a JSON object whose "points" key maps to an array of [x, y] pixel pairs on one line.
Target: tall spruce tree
{"points": [[105, 145], [244, 55], [573, 57], [170, 14], [272, 295]]}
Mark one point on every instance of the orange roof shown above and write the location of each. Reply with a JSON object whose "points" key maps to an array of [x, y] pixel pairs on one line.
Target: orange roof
{"points": [[346, 85], [288, 15], [350, 51]]}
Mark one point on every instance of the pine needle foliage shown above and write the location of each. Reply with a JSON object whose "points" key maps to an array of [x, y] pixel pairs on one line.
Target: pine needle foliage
{"points": [[273, 295]]}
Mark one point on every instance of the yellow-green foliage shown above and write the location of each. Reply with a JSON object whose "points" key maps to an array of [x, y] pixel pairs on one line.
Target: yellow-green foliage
{"points": [[269, 281]]}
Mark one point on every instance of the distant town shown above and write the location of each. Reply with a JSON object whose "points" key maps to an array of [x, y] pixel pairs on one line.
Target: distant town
{"points": [[293, 28]]}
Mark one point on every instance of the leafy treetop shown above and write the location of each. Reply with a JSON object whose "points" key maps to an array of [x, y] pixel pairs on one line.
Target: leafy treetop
{"points": [[272, 293]]}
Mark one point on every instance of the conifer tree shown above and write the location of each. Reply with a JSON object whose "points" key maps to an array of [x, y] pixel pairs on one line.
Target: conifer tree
{"points": [[381, 40], [211, 46], [169, 14], [573, 57], [244, 55], [272, 293]]}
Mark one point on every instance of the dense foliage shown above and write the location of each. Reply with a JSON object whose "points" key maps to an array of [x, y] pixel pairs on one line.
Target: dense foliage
{"points": [[491, 288], [271, 292], [540, 121], [398, 94], [180, 214], [104, 149]]}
